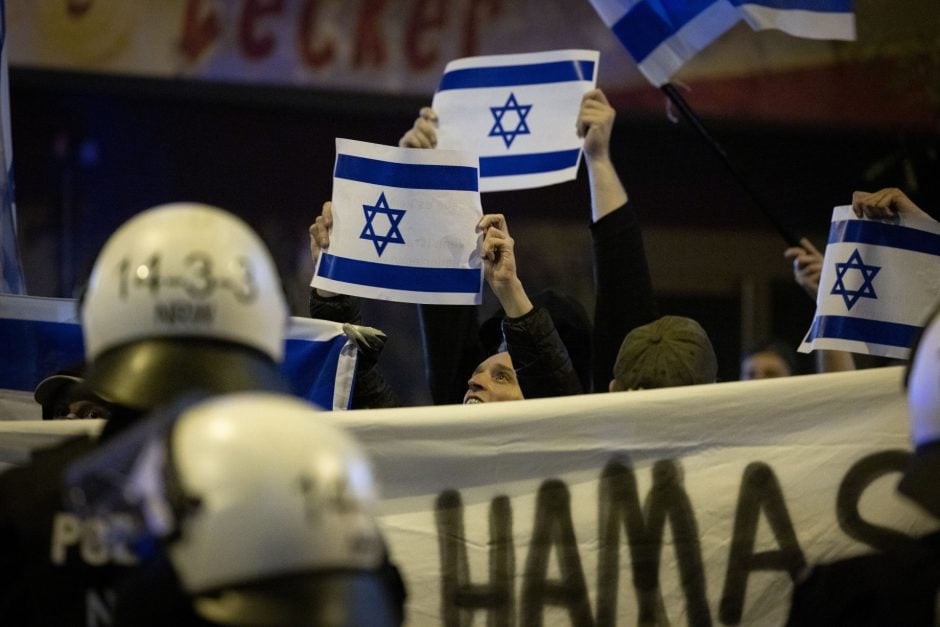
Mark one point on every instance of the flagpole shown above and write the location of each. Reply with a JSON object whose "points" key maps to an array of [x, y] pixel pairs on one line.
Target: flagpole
{"points": [[789, 236]]}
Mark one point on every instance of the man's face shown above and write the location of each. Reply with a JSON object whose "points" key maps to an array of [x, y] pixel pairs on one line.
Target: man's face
{"points": [[79, 409], [764, 365], [493, 380]]}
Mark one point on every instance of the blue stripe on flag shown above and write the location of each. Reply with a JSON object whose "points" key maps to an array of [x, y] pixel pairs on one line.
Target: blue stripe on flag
{"points": [[34, 349], [534, 163], [648, 24], [511, 75], [405, 175], [310, 368], [818, 6], [864, 330], [884, 234], [408, 278]]}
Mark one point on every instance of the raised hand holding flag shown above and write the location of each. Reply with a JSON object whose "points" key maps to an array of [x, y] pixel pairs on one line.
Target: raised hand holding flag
{"points": [[879, 280], [661, 35], [403, 223]]}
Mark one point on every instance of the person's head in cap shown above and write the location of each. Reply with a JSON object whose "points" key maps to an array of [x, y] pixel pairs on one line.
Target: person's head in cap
{"points": [[279, 534], [667, 352], [921, 480], [768, 359], [182, 297], [64, 396]]}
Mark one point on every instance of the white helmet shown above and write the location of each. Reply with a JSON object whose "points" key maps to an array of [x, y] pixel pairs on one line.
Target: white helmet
{"points": [[923, 386], [921, 480], [266, 510], [171, 275]]}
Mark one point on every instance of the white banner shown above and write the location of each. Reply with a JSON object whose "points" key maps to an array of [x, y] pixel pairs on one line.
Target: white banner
{"points": [[699, 502]]}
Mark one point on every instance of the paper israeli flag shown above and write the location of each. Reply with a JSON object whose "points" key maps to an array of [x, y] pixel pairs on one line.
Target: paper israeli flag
{"points": [[404, 225], [661, 35], [517, 113], [880, 278], [43, 335]]}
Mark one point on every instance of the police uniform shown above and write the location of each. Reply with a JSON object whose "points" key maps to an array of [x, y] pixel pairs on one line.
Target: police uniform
{"points": [[886, 589], [56, 568], [182, 297], [252, 525]]}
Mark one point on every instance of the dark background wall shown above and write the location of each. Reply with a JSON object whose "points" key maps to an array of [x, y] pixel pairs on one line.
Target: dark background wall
{"points": [[91, 151]]}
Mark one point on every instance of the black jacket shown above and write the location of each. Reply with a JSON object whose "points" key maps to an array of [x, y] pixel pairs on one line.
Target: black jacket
{"points": [[55, 567], [622, 285], [897, 588], [453, 349]]}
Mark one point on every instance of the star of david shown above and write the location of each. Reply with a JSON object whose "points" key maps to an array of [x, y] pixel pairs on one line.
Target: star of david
{"points": [[866, 290], [521, 127], [394, 219]]}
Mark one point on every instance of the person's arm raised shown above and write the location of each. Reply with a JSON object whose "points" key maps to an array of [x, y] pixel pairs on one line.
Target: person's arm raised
{"points": [[320, 240], [594, 125], [499, 266], [807, 268], [423, 134]]}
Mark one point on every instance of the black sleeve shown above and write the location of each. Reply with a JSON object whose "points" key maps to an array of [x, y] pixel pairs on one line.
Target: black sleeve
{"points": [[371, 390], [452, 349], [539, 356], [894, 588], [622, 285], [339, 308]]}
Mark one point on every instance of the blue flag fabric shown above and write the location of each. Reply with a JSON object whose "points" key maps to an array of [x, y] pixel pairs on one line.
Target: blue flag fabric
{"points": [[879, 280], [518, 113], [320, 362], [404, 225], [41, 336], [11, 270], [661, 35]]}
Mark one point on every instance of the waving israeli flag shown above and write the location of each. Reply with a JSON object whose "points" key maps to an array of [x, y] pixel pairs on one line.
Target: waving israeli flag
{"points": [[517, 113], [320, 362], [661, 35], [11, 269], [404, 225], [812, 19], [41, 336], [879, 280]]}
